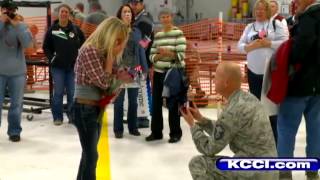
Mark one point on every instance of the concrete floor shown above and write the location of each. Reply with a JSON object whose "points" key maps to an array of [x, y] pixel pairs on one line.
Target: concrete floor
{"points": [[47, 152]]}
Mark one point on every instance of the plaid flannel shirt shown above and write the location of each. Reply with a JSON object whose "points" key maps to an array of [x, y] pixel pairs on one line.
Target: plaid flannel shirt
{"points": [[89, 68]]}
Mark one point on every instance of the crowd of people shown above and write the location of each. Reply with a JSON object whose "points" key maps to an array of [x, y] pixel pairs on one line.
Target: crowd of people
{"points": [[125, 51]]}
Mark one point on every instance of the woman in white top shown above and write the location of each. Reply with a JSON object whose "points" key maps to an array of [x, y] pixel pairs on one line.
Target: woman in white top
{"points": [[259, 40]]}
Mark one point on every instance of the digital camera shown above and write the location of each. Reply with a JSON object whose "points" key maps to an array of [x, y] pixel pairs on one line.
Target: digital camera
{"points": [[256, 36], [10, 14]]}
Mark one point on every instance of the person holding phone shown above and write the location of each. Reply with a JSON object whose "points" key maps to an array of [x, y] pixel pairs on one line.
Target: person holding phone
{"points": [[243, 125]]}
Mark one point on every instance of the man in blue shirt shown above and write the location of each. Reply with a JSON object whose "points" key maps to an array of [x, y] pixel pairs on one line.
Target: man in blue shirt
{"points": [[14, 37]]}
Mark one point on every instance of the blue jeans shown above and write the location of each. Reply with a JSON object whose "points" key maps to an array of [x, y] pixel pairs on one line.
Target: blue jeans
{"points": [[62, 80], [86, 121], [132, 110], [15, 85], [289, 118]]}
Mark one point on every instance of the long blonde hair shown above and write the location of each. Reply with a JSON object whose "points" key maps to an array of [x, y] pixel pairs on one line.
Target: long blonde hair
{"points": [[104, 38]]}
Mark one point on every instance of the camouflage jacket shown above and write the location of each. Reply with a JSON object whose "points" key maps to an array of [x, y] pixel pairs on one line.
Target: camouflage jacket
{"points": [[243, 124]]}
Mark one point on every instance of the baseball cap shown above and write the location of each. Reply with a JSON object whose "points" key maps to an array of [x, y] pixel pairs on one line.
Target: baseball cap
{"points": [[9, 4]]}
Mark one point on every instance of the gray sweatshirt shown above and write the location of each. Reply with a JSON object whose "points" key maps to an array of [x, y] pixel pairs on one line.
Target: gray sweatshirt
{"points": [[13, 40]]}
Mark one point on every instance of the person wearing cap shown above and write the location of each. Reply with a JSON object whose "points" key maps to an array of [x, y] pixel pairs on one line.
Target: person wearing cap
{"points": [[144, 22], [14, 38], [168, 50]]}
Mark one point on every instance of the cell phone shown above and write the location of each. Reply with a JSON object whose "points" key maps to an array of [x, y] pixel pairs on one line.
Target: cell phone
{"points": [[190, 103], [184, 107]]}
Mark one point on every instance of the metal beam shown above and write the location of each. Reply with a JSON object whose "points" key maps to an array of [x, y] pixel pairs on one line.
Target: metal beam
{"points": [[188, 7]]}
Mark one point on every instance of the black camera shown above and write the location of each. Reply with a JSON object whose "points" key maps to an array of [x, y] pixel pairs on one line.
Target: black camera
{"points": [[10, 14], [256, 36]]}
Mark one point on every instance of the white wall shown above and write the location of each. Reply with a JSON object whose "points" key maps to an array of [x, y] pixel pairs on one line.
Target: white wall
{"points": [[111, 6], [204, 8], [209, 8]]}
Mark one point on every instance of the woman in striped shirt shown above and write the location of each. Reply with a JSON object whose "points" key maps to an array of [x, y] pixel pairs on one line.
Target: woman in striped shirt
{"points": [[168, 50]]}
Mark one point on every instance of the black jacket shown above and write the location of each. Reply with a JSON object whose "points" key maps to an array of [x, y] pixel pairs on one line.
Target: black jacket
{"points": [[306, 51], [61, 49]]}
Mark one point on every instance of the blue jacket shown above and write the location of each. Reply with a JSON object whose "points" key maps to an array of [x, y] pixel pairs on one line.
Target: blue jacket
{"points": [[134, 53], [13, 40], [175, 87]]}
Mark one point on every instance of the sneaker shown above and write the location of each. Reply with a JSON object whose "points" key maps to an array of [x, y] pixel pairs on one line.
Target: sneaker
{"points": [[174, 139], [118, 135], [135, 132], [312, 175], [57, 122], [14, 138], [152, 137]]}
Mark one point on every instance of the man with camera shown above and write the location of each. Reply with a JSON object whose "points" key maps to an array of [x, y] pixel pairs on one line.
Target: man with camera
{"points": [[14, 38]]}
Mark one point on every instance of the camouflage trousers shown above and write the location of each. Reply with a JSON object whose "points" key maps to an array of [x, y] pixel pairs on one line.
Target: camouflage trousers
{"points": [[204, 168]]}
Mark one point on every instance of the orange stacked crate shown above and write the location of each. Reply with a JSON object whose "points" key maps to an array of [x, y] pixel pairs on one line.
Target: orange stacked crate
{"points": [[37, 76], [207, 45]]}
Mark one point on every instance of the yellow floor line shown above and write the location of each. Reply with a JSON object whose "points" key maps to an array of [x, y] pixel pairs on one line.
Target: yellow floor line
{"points": [[103, 166]]}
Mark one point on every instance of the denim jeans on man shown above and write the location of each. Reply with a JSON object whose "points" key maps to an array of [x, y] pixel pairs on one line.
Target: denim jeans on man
{"points": [[15, 85], [289, 118], [86, 121], [63, 79], [132, 110]]}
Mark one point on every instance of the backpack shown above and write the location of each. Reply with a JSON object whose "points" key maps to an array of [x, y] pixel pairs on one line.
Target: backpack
{"points": [[280, 72], [278, 17]]}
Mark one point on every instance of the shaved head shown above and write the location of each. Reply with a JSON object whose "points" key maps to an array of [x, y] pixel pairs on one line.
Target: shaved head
{"points": [[228, 78], [232, 71]]}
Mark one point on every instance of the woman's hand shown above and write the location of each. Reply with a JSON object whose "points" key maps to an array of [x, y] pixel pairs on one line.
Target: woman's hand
{"points": [[265, 43], [124, 76], [165, 52], [256, 44]]}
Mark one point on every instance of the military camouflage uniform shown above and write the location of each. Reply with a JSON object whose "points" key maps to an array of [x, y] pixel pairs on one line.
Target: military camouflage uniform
{"points": [[245, 126]]}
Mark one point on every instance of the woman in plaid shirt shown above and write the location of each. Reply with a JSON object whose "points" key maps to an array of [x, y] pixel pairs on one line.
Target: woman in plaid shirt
{"points": [[94, 74]]}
